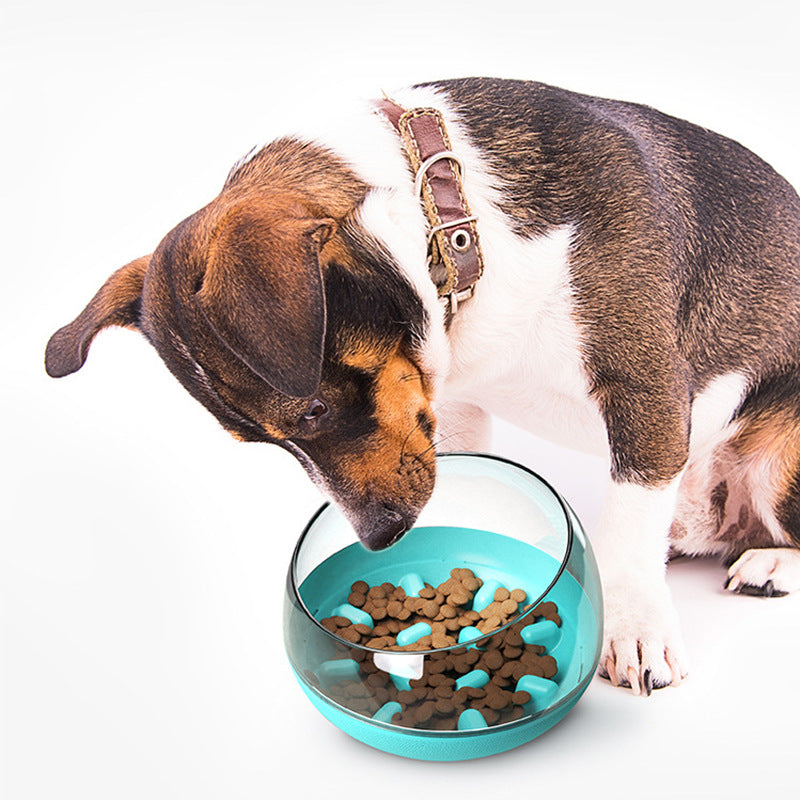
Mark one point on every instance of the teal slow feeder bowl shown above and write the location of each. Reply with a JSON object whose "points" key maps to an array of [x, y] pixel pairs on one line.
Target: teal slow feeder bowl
{"points": [[508, 526]]}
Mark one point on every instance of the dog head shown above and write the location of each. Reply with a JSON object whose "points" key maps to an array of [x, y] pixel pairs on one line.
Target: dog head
{"points": [[278, 314]]}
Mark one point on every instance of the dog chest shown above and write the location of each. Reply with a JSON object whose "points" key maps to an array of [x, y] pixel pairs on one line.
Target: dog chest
{"points": [[516, 351]]}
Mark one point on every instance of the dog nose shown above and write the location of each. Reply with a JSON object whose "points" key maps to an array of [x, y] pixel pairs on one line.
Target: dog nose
{"points": [[383, 528]]}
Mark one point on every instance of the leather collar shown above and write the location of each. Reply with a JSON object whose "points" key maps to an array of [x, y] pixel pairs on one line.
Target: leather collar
{"points": [[455, 260]]}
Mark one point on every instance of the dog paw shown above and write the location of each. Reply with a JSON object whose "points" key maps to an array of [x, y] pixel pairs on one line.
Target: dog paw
{"points": [[642, 647], [765, 572]]}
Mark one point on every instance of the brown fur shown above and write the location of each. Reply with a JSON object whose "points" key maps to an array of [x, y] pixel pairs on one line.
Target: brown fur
{"points": [[268, 302]]}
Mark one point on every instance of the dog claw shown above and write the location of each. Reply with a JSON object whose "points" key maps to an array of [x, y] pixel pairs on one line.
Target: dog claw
{"points": [[647, 682], [611, 669], [633, 679], [677, 678], [733, 583]]}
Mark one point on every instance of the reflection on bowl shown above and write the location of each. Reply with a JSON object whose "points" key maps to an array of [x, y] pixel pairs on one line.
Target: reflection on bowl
{"points": [[473, 671]]}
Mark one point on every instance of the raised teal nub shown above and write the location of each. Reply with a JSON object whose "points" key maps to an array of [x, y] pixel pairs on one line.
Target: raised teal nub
{"points": [[355, 615], [476, 679], [471, 719], [387, 711], [541, 690], [544, 632], [412, 584], [485, 595], [413, 633]]}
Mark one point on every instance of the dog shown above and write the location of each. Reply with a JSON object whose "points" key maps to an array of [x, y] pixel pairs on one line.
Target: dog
{"points": [[638, 297]]}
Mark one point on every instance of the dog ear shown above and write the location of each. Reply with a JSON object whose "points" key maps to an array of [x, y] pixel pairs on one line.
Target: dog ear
{"points": [[263, 296], [116, 303]]}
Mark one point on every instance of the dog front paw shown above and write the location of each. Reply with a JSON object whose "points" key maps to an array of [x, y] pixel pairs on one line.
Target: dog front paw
{"points": [[765, 572], [642, 646]]}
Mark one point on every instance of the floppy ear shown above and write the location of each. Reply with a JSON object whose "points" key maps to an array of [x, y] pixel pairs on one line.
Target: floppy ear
{"points": [[263, 296], [117, 303]]}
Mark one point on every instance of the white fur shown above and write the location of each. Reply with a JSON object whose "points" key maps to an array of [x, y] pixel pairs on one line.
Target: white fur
{"points": [[709, 459], [641, 631], [463, 427], [714, 408]]}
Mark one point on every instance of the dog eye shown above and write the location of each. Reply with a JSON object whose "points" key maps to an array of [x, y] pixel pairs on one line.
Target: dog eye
{"points": [[316, 410]]}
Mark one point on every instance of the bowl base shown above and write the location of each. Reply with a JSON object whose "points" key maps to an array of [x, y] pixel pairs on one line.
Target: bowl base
{"points": [[439, 746]]}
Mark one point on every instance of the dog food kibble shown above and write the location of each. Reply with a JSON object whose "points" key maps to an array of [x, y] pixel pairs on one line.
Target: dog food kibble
{"points": [[479, 677]]}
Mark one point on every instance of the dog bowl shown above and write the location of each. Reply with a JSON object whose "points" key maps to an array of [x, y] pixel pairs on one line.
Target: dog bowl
{"points": [[512, 531]]}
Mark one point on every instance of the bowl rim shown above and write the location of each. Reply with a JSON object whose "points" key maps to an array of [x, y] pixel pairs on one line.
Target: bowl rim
{"points": [[295, 589]]}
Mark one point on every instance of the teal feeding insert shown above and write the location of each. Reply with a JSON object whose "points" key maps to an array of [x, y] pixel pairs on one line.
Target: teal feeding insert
{"points": [[512, 531]]}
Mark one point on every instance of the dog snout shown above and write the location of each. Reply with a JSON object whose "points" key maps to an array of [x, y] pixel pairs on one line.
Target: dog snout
{"points": [[378, 526]]}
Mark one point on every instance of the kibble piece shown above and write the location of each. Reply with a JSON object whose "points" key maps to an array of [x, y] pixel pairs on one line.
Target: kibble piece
{"points": [[362, 587], [424, 712], [509, 606], [494, 660], [498, 699], [507, 670], [430, 609], [393, 608], [444, 691], [435, 667], [491, 623], [519, 595], [501, 594], [460, 597], [490, 715], [513, 638], [445, 706], [549, 666], [357, 599]]}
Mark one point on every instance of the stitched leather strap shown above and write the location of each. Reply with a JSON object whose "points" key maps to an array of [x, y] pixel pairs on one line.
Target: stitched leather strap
{"points": [[454, 242]]}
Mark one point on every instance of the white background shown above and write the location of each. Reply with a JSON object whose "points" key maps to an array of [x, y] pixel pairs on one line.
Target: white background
{"points": [[144, 552]]}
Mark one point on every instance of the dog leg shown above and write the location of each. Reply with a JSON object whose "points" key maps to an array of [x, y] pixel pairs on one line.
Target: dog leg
{"points": [[642, 645], [462, 427], [765, 571]]}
